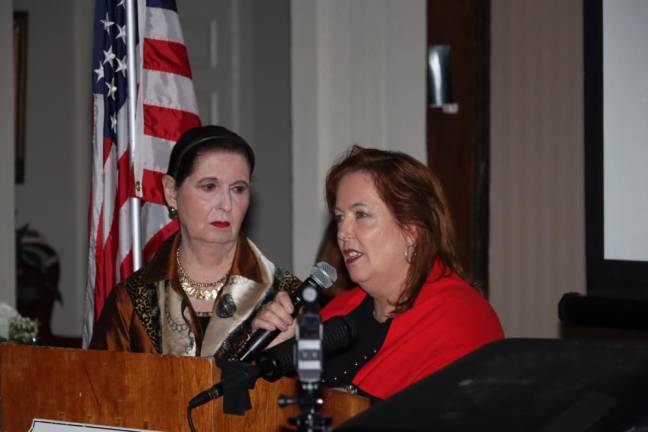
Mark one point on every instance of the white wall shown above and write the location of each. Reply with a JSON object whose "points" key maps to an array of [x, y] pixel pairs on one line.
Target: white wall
{"points": [[537, 237], [240, 58], [358, 76], [54, 197], [264, 112], [7, 234]]}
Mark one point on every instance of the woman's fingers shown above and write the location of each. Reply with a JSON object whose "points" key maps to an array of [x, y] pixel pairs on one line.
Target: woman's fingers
{"points": [[278, 311], [259, 323], [275, 314], [284, 300], [285, 335]]}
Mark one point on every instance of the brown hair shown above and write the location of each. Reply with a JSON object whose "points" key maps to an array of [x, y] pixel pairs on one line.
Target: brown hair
{"points": [[415, 197]]}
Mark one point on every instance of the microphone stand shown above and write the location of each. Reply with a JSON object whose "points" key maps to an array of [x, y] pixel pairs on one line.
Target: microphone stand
{"points": [[239, 376], [309, 357]]}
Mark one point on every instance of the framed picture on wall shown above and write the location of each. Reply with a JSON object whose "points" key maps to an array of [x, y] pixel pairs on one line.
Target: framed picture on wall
{"points": [[20, 89]]}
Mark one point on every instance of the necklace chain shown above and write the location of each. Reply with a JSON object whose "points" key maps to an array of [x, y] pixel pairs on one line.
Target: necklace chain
{"points": [[199, 290]]}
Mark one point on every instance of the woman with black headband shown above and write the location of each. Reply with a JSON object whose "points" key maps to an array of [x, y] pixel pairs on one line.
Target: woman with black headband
{"points": [[199, 293]]}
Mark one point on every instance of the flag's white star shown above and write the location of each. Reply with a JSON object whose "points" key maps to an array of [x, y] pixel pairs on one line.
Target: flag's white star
{"points": [[111, 89], [121, 33], [121, 66], [109, 56], [106, 23], [100, 72], [113, 123]]}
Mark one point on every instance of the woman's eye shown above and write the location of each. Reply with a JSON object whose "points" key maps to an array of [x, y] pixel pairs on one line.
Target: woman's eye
{"points": [[360, 214], [208, 187], [240, 189], [338, 218]]}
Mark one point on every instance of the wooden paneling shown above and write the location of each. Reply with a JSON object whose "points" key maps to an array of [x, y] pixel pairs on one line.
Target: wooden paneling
{"points": [[458, 143], [136, 390]]}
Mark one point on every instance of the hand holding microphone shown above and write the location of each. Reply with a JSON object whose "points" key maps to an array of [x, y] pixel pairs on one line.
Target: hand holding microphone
{"points": [[278, 315]]}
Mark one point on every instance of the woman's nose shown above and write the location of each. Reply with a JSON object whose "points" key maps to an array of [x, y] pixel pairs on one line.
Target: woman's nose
{"points": [[343, 230], [225, 200]]}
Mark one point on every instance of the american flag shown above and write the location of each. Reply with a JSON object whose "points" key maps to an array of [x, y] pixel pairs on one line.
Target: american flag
{"points": [[166, 107]]}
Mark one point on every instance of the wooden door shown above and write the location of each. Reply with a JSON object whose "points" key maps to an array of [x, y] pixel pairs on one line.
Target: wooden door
{"points": [[457, 144]]}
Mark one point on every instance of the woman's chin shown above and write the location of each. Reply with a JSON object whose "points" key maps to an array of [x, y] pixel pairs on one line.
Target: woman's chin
{"points": [[357, 277], [223, 238]]}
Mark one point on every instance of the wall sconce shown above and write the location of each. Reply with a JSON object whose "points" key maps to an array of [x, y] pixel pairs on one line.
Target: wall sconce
{"points": [[440, 79]]}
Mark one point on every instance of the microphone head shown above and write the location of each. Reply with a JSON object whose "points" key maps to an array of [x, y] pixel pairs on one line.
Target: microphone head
{"points": [[324, 274]]}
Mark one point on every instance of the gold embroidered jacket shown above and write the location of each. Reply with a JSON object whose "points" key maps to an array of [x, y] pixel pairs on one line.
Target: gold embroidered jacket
{"points": [[149, 312]]}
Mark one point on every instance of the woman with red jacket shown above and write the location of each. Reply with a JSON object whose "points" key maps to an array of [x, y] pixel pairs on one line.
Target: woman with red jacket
{"points": [[413, 310]]}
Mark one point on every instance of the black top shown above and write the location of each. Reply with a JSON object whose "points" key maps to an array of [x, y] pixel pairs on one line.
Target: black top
{"points": [[203, 321], [341, 367]]}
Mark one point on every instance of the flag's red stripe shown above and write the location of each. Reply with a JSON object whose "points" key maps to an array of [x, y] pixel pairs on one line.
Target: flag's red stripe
{"points": [[111, 248], [158, 238], [152, 187], [124, 177], [107, 266], [166, 56], [106, 254], [168, 123], [126, 266], [107, 145]]}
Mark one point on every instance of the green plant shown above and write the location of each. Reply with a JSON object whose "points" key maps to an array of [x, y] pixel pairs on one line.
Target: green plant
{"points": [[23, 330], [37, 270]]}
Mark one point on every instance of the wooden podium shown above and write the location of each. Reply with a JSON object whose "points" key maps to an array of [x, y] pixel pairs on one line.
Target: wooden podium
{"points": [[143, 391]]}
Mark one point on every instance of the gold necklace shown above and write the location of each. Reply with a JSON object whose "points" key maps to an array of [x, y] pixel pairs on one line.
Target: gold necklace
{"points": [[199, 290]]}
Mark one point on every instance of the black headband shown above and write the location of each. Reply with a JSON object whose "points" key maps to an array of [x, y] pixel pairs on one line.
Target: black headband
{"points": [[201, 135]]}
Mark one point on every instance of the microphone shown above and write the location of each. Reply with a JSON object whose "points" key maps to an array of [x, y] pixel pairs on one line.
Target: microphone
{"points": [[339, 333], [323, 275]]}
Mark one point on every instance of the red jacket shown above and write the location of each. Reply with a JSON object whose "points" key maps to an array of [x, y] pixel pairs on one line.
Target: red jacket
{"points": [[448, 320]]}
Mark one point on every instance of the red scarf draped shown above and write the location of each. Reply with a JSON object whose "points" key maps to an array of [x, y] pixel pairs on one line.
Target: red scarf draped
{"points": [[448, 320]]}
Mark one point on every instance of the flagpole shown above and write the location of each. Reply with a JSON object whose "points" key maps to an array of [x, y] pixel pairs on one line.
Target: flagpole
{"points": [[132, 128]]}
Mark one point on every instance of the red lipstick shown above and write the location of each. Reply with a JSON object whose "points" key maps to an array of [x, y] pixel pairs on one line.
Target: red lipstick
{"points": [[221, 224]]}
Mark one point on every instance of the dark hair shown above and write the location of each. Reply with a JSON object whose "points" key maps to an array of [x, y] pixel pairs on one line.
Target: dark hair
{"points": [[200, 140], [415, 197]]}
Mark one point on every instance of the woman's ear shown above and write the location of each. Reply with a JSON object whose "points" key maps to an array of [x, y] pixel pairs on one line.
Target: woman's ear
{"points": [[170, 192], [411, 235]]}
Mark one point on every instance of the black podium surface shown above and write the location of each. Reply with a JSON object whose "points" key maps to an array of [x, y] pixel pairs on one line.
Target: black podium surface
{"points": [[546, 385]]}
